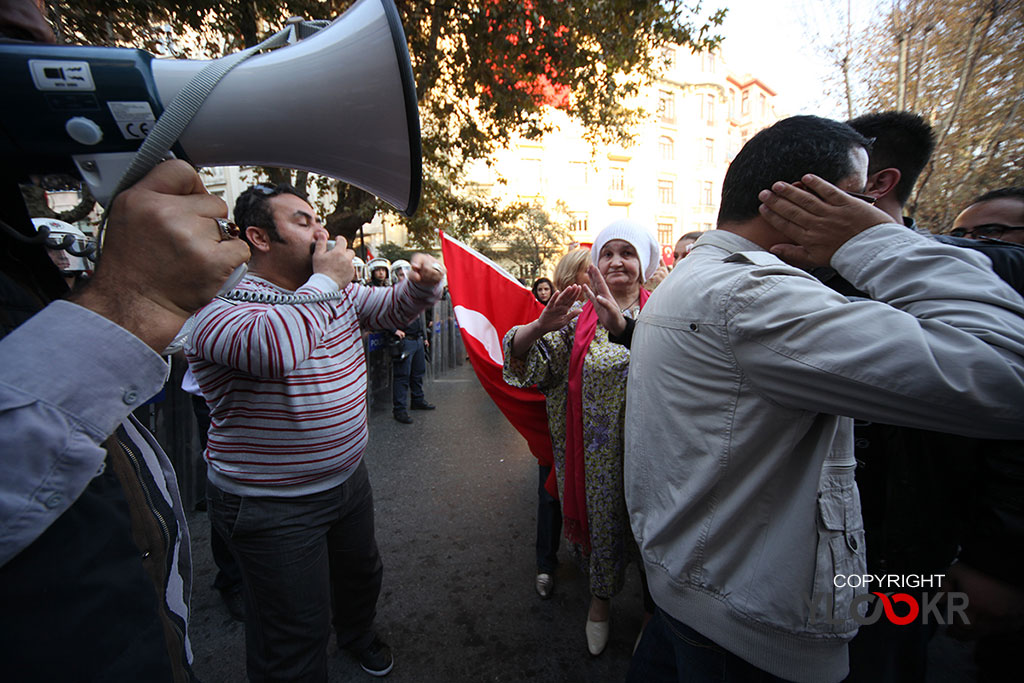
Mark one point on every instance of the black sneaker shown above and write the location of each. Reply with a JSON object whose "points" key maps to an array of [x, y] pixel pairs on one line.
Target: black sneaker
{"points": [[404, 418], [376, 659], [422, 405]]}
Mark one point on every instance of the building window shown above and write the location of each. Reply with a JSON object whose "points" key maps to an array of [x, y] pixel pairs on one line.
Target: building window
{"points": [[531, 180], [709, 150], [666, 192], [704, 227], [708, 109], [667, 106], [578, 174], [707, 62], [617, 182], [665, 231], [732, 103], [666, 148], [578, 221], [745, 103], [214, 174], [706, 193], [763, 102]]}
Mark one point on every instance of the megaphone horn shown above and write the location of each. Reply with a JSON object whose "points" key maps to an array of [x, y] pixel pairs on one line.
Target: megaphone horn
{"points": [[341, 102]]}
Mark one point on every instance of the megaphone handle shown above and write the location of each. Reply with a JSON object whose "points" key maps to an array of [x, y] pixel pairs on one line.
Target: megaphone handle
{"points": [[233, 280]]}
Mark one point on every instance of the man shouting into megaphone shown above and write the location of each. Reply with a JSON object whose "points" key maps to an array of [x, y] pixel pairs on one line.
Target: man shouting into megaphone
{"points": [[284, 377]]}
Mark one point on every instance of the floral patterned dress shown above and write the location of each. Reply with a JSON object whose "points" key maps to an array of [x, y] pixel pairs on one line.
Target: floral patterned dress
{"points": [[605, 368]]}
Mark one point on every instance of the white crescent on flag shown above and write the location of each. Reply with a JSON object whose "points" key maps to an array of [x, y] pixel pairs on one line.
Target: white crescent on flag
{"points": [[480, 328], [488, 302]]}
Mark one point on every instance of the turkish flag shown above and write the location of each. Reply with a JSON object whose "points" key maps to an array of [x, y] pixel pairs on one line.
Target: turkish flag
{"points": [[666, 255], [488, 302]]}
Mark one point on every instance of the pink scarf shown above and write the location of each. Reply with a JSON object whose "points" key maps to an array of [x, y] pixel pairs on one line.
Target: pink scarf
{"points": [[574, 500]]}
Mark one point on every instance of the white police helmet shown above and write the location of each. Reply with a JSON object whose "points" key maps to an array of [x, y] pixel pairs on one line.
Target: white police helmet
{"points": [[70, 239], [400, 270], [360, 266], [376, 263]]}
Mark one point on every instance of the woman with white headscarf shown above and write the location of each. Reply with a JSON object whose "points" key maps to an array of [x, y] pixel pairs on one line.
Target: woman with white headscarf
{"points": [[566, 352]]}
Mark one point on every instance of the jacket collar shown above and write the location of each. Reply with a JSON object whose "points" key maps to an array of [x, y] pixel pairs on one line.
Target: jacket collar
{"points": [[729, 241]]}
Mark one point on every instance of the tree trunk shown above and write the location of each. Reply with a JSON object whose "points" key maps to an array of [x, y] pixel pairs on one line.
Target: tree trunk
{"points": [[301, 181], [921, 57], [846, 61], [975, 45], [901, 75]]}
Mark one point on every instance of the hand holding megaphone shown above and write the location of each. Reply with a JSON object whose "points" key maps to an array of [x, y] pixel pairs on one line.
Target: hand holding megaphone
{"points": [[334, 259], [164, 254]]}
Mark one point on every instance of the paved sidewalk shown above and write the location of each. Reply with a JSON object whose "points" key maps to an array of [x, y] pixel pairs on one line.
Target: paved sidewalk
{"points": [[456, 497]]}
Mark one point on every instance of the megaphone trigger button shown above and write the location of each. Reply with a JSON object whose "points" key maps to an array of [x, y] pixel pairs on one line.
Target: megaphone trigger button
{"points": [[228, 230]]}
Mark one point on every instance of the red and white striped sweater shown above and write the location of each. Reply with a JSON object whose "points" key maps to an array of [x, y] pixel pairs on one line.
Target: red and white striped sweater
{"points": [[286, 384]]}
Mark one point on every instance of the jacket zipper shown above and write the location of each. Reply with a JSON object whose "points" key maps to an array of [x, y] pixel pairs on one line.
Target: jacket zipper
{"points": [[145, 489], [165, 530]]}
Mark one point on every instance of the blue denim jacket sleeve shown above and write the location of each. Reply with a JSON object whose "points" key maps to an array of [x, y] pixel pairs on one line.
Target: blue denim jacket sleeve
{"points": [[68, 377], [940, 346]]}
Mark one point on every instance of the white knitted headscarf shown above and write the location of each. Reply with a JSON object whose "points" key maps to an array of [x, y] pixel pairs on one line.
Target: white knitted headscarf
{"points": [[634, 232]]}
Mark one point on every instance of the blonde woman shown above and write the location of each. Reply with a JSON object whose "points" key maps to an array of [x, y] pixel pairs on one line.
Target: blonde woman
{"points": [[572, 269]]}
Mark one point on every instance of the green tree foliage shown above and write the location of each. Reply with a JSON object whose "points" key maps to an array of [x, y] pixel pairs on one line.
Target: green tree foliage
{"points": [[527, 242], [485, 71], [961, 66], [392, 252]]}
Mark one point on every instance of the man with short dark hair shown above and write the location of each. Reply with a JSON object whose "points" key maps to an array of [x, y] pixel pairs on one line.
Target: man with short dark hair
{"points": [[285, 380], [902, 143], [997, 215], [746, 512], [926, 495]]}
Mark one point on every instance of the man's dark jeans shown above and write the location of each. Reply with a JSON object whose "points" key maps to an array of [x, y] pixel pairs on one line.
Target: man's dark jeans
{"points": [[408, 375], [671, 651], [299, 557]]}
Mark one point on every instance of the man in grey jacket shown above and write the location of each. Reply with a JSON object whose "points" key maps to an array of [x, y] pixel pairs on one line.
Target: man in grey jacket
{"points": [[739, 478]]}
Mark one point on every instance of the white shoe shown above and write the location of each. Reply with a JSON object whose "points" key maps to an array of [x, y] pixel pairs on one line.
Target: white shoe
{"points": [[597, 635], [544, 585]]}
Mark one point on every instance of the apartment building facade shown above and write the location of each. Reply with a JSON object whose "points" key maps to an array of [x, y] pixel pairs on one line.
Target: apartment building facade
{"points": [[699, 115]]}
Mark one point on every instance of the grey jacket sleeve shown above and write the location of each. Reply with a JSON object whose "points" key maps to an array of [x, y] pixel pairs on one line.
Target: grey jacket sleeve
{"points": [[944, 351], [68, 377]]}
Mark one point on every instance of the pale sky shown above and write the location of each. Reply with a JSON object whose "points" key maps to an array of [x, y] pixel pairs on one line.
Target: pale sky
{"points": [[773, 40]]}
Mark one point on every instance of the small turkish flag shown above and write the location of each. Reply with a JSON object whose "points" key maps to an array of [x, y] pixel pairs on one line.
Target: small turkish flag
{"points": [[488, 303]]}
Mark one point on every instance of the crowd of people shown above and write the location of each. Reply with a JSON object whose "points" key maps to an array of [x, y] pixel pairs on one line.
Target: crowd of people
{"points": [[820, 390]]}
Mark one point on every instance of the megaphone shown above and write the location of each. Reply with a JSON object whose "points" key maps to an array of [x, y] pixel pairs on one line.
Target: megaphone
{"points": [[341, 102]]}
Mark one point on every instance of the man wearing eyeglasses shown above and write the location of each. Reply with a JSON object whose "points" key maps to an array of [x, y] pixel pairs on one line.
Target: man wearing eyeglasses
{"points": [[747, 513], [908, 477], [996, 215], [286, 387]]}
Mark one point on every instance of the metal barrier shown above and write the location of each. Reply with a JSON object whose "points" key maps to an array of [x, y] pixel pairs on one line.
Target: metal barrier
{"points": [[446, 349], [171, 419]]}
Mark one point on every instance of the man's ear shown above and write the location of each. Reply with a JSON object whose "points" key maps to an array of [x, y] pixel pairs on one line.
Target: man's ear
{"points": [[881, 183], [258, 238]]}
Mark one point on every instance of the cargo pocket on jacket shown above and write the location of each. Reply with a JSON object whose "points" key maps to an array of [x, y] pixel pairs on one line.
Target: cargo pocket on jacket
{"points": [[840, 555]]}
